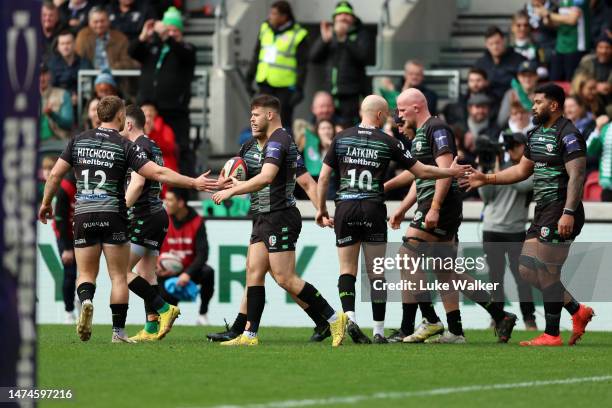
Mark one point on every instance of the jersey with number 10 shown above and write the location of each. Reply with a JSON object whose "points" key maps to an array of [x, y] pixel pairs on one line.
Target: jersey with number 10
{"points": [[101, 158], [360, 157]]}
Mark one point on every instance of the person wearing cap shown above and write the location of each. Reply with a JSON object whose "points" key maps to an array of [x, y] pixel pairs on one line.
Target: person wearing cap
{"points": [[103, 46], [56, 116], [505, 215], [344, 47], [280, 59], [168, 65], [479, 122], [598, 65], [572, 21], [521, 90], [500, 62], [105, 84]]}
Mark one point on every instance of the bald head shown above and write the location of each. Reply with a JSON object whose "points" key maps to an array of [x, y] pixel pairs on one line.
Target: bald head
{"points": [[412, 107], [374, 111]]}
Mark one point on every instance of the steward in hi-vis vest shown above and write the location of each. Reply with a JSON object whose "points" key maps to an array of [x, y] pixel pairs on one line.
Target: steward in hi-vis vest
{"points": [[280, 60]]}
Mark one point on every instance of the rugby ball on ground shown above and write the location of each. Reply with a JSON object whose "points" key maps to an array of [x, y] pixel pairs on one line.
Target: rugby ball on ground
{"points": [[235, 167], [170, 262]]}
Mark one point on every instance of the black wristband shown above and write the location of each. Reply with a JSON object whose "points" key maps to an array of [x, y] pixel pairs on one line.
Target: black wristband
{"points": [[567, 211]]}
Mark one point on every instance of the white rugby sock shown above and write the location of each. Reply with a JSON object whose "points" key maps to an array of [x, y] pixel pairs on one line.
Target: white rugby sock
{"points": [[379, 328], [351, 316]]}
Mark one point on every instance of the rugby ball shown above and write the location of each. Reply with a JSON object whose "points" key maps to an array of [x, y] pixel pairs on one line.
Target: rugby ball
{"points": [[235, 167], [170, 262]]}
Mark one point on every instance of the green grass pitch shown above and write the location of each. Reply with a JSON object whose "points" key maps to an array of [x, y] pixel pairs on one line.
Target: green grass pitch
{"points": [[184, 370]]}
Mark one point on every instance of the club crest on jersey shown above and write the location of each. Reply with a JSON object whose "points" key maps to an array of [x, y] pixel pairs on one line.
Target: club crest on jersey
{"points": [[272, 240], [418, 215], [549, 147], [544, 232], [419, 146]]}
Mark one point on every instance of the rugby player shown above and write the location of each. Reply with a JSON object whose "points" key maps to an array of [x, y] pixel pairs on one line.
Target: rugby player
{"points": [[360, 157], [100, 158], [252, 152], [277, 226], [436, 220], [148, 224], [556, 156]]}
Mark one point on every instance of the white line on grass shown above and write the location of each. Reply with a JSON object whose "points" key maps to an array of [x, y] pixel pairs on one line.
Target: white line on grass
{"points": [[423, 393]]}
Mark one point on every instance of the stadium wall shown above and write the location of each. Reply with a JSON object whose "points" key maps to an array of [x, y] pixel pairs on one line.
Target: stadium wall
{"points": [[316, 262]]}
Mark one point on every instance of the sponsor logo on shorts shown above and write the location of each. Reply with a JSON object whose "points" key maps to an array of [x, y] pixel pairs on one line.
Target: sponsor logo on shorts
{"points": [[118, 236], [80, 241], [544, 232], [96, 224], [272, 240], [345, 239]]}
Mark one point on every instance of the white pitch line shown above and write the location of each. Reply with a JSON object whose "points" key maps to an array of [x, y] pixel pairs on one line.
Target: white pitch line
{"points": [[423, 393]]}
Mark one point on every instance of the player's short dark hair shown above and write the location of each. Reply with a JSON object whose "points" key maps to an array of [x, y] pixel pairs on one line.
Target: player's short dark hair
{"points": [[478, 71], [48, 4], [148, 102], [180, 193], [137, 115], [492, 31], [283, 8], [552, 92], [108, 107], [266, 101]]}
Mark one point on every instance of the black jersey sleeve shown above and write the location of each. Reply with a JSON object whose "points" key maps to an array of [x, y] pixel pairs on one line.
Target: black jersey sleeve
{"points": [[330, 157], [277, 148], [573, 145], [67, 153], [301, 167], [401, 154], [441, 140], [136, 156]]}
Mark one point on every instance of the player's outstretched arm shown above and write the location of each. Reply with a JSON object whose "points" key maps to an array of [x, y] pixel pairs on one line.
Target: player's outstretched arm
{"points": [[58, 172], [264, 178], [310, 188], [164, 175], [424, 171], [134, 189], [510, 175], [402, 179], [322, 218]]}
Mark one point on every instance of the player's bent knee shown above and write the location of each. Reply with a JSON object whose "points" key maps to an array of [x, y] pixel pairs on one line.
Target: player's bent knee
{"points": [[528, 268]]}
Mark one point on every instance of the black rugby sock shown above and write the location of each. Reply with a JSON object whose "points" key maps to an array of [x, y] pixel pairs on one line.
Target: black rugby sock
{"points": [[553, 304], [316, 317], [256, 301], [239, 324], [408, 316], [86, 291], [119, 312], [427, 307], [143, 289], [317, 302], [346, 289], [453, 319]]}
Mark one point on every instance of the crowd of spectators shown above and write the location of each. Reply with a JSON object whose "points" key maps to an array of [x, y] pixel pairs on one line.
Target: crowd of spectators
{"points": [[109, 35]]}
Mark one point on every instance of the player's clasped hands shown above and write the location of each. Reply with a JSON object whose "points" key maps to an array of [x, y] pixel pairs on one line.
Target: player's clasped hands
{"points": [[203, 183], [472, 179], [323, 219]]}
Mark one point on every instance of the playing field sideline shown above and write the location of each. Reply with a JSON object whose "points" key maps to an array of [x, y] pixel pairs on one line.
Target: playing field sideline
{"points": [[186, 371]]}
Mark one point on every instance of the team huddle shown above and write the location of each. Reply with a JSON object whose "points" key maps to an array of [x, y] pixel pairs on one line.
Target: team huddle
{"points": [[118, 167]]}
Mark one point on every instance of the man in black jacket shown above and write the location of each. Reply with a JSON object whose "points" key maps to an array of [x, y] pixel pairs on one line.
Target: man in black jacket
{"points": [[280, 59], [500, 62], [168, 65], [344, 47]]}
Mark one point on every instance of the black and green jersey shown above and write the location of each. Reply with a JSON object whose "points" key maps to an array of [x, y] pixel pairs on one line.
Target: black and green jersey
{"points": [[432, 140], [149, 201], [272, 197], [549, 149], [101, 158], [360, 157]]}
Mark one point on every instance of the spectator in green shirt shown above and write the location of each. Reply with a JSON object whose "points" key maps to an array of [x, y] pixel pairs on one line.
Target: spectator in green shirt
{"points": [[573, 36], [599, 144]]}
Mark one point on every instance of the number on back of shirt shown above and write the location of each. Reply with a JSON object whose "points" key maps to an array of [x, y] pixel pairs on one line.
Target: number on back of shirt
{"points": [[99, 188], [364, 181]]}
